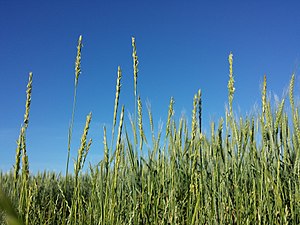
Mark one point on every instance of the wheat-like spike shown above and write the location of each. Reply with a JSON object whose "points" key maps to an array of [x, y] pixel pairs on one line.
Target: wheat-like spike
{"points": [[279, 116], [135, 65], [87, 149], [170, 114], [120, 127], [25, 163], [28, 101], [116, 106], [291, 92], [78, 166], [140, 120], [18, 158], [25, 173], [294, 111], [83, 145], [77, 73], [151, 121], [194, 117], [231, 88], [78, 60], [118, 90], [264, 95], [21, 145], [200, 110]]}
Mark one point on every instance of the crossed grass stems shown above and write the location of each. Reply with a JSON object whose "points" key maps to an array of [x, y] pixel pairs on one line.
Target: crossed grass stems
{"points": [[246, 171]]}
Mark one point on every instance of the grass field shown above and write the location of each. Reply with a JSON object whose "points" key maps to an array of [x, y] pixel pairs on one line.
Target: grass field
{"points": [[246, 171]]}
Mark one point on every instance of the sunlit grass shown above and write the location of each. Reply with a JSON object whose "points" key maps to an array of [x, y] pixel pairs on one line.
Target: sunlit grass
{"points": [[245, 171]]}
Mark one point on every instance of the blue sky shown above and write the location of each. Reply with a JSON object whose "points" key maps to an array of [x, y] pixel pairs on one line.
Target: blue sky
{"points": [[182, 46]]}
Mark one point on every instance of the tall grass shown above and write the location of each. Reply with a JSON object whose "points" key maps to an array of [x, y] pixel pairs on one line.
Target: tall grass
{"points": [[244, 171]]}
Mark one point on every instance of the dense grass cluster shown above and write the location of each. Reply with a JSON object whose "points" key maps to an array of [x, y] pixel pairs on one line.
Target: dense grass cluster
{"points": [[246, 171]]}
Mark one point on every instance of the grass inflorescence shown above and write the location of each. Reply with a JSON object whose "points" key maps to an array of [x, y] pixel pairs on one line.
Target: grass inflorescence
{"points": [[244, 171]]}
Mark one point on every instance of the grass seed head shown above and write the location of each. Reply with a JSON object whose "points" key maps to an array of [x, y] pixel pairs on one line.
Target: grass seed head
{"points": [[170, 114], [83, 144], [291, 92], [78, 60], [231, 87], [140, 121], [264, 95], [118, 90], [135, 65], [28, 101]]}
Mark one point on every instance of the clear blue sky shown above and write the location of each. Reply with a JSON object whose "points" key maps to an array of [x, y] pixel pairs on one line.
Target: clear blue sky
{"points": [[182, 46]]}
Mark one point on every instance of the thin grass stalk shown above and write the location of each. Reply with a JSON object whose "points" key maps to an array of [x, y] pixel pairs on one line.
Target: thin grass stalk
{"points": [[76, 198], [77, 74], [106, 151], [118, 149]]}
